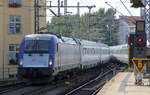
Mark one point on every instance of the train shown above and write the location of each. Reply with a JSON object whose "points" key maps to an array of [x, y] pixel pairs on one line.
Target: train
{"points": [[120, 53], [45, 56]]}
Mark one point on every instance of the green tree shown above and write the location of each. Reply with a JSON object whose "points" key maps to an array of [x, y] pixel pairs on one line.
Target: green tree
{"points": [[103, 26]]}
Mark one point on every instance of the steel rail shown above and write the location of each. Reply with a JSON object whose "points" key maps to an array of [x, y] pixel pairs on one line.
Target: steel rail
{"points": [[78, 88]]}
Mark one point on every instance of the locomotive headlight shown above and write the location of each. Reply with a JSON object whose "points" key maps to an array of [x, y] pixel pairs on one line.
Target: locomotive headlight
{"points": [[50, 63], [21, 62]]}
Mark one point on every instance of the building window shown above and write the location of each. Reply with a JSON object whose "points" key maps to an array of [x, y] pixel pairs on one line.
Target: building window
{"points": [[13, 54], [15, 3], [14, 24]]}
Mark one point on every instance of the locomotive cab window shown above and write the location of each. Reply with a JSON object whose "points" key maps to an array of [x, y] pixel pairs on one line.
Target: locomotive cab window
{"points": [[37, 46]]}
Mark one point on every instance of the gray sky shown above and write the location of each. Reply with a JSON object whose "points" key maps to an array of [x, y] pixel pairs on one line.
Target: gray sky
{"points": [[99, 4]]}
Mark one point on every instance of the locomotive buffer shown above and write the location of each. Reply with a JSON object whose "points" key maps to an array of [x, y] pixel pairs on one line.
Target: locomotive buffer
{"points": [[139, 58]]}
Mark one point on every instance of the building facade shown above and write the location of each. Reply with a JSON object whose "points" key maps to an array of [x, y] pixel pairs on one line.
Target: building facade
{"points": [[16, 21], [126, 26]]}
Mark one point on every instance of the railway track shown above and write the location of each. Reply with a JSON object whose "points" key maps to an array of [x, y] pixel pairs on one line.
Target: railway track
{"points": [[94, 85], [39, 90], [11, 86], [88, 88], [91, 86], [8, 82]]}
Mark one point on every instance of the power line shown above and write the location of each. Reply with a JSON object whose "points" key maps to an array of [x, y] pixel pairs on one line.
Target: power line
{"points": [[89, 2], [114, 9], [133, 20], [83, 2], [126, 8], [119, 2]]}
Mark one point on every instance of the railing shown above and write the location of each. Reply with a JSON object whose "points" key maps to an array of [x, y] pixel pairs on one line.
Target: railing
{"points": [[8, 73]]}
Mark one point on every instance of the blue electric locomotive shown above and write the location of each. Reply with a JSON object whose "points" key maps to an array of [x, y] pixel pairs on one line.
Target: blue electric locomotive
{"points": [[45, 56]]}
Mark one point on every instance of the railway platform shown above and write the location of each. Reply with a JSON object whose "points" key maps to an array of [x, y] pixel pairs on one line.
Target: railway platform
{"points": [[124, 84]]}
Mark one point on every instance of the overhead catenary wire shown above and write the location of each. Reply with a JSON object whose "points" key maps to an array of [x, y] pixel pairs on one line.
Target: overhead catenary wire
{"points": [[133, 20], [119, 2], [84, 2], [114, 9], [89, 2], [127, 9]]}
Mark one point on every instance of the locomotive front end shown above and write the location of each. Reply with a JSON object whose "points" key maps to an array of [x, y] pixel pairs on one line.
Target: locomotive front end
{"points": [[36, 57]]}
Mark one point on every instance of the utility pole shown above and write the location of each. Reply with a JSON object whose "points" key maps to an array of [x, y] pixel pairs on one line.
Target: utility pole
{"points": [[89, 15], [78, 9], [78, 18], [37, 6], [65, 8], [58, 8], [145, 14], [65, 18], [36, 16], [3, 42], [59, 16]]}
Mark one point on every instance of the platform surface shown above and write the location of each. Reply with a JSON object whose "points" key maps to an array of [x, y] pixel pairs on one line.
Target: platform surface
{"points": [[123, 84]]}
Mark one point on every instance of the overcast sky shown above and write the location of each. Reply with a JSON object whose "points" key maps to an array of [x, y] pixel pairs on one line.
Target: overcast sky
{"points": [[99, 4]]}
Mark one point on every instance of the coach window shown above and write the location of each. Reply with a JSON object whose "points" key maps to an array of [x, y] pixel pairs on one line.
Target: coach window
{"points": [[93, 51], [90, 51], [85, 51], [13, 54], [14, 24]]}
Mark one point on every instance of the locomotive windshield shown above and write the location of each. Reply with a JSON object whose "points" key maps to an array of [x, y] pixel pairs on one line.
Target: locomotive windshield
{"points": [[37, 46]]}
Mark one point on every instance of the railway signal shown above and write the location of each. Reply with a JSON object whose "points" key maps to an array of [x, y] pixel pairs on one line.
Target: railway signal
{"points": [[140, 40], [140, 59]]}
